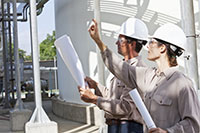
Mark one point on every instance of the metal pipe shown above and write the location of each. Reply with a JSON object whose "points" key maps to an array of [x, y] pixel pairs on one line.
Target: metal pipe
{"points": [[188, 24], [18, 14], [7, 62], [19, 104], [6, 105], [199, 45], [25, 12], [100, 66], [18, 1], [11, 56], [55, 73], [10, 14], [40, 7], [39, 11], [22, 20], [41, 4]]}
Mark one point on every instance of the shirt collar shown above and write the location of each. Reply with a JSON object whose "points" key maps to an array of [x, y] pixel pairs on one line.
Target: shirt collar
{"points": [[133, 60], [167, 73]]}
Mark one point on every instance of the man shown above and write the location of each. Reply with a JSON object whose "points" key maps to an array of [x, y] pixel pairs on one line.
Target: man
{"points": [[120, 111]]}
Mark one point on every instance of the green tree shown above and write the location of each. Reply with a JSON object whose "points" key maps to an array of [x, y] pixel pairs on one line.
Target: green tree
{"points": [[22, 53], [28, 58], [47, 49]]}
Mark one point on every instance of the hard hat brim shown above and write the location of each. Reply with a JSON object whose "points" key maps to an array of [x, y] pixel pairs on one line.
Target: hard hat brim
{"points": [[150, 37]]}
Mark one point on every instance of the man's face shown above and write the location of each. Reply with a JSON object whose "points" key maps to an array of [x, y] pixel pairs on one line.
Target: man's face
{"points": [[122, 45]]}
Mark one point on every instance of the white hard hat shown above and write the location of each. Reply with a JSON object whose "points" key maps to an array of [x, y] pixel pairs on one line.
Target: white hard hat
{"points": [[172, 34], [134, 28]]}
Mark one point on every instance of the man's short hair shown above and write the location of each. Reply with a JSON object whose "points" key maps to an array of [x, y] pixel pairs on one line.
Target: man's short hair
{"points": [[139, 43]]}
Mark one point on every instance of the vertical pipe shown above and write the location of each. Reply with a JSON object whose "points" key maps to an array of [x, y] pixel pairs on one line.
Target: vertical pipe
{"points": [[100, 65], [4, 57], [198, 48], [19, 104], [7, 63], [188, 24], [10, 51], [35, 53], [55, 73], [50, 81]]}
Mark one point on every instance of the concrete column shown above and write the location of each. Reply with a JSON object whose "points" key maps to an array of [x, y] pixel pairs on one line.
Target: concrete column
{"points": [[100, 64], [188, 25]]}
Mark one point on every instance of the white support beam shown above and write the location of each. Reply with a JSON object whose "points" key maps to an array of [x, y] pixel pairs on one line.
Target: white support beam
{"points": [[188, 24], [39, 122], [100, 65]]}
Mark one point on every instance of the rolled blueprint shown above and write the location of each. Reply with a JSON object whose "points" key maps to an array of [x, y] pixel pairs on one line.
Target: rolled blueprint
{"points": [[70, 58], [142, 108]]}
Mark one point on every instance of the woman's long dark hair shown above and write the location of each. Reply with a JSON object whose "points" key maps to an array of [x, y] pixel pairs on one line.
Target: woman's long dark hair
{"points": [[172, 56]]}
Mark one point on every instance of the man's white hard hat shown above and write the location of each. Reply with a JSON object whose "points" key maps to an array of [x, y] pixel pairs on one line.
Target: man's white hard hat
{"points": [[171, 34], [134, 28]]}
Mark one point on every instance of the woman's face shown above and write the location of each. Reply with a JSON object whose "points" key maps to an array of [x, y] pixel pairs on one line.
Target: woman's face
{"points": [[153, 50]]}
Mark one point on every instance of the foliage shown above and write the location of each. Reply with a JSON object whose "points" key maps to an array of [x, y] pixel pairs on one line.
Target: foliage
{"points": [[22, 53], [47, 49], [27, 58]]}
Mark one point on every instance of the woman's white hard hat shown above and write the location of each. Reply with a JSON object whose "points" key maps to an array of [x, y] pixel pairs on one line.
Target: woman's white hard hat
{"points": [[134, 28], [172, 34]]}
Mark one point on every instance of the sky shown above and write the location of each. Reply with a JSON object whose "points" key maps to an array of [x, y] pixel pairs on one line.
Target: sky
{"points": [[45, 23]]}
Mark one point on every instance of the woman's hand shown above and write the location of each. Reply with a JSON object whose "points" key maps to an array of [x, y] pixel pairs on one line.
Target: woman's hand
{"points": [[91, 82], [87, 96], [157, 130]]}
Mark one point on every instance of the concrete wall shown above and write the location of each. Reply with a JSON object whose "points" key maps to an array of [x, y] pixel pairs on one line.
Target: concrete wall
{"points": [[89, 114]]}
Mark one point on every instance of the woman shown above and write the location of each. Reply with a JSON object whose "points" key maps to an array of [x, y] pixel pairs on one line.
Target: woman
{"points": [[169, 94]]}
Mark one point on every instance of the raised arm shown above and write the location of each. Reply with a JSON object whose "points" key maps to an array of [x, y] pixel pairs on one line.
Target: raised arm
{"points": [[133, 77], [94, 33], [130, 75]]}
